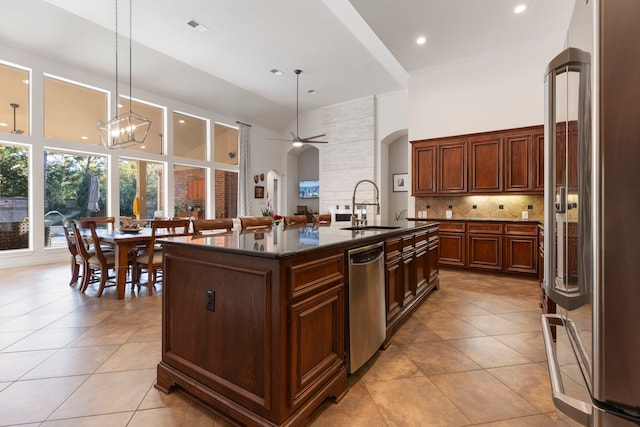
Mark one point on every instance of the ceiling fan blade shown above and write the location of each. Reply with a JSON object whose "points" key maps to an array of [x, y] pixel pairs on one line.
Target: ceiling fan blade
{"points": [[313, 137], [278, 139], [304, 141]]}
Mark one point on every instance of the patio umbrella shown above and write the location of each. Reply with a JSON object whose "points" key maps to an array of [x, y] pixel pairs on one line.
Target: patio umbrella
{"points": [[94, 194]]}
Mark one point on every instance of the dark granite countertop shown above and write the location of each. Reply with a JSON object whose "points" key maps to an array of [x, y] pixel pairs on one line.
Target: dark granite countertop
{"points": [[278, 242], [530, 221]]}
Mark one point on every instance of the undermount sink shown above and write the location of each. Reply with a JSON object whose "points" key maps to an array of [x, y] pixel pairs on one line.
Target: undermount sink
{"points": [[371, 227]]}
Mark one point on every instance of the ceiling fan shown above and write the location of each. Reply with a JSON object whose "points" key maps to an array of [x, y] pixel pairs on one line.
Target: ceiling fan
{"points": [[296, 140], [17, 131]]}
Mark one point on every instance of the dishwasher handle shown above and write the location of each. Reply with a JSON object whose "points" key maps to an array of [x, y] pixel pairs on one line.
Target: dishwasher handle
{"points": [[366, 255]]}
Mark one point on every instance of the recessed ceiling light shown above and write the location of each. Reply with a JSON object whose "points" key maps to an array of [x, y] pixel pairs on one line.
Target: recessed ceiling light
{"points": [[25, 82], [84, 137], [3, 124], [312, 92], [197, 26], [143, 146], [181, 121], [520, 8], [276, 72], [421, 40]]}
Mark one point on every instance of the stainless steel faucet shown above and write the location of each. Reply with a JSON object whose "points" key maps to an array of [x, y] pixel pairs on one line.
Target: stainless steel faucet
{"points": [[363, 221]]}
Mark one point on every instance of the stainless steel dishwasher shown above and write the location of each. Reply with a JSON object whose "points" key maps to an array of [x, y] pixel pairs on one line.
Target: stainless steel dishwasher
{"points": [[367, 322]]}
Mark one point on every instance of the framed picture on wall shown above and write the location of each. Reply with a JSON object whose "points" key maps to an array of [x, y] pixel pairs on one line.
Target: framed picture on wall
{"points": [[400, 182], [259, 192]]}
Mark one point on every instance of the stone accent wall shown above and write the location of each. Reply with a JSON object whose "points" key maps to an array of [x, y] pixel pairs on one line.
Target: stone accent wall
{"points": [[350, 154]]}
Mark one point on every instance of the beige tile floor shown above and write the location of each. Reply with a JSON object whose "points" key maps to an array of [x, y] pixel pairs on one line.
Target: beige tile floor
{"points": [[470, 355]]}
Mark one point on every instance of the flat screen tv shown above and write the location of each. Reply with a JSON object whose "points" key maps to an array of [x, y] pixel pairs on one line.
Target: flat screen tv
{"points": [[309, 189]]}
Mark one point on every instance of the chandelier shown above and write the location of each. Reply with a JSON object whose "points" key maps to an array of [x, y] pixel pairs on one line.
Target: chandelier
{"points": [[128, 129]]}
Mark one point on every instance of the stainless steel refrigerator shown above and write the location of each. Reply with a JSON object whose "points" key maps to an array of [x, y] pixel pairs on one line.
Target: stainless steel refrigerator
{"points": [[592, 215]]}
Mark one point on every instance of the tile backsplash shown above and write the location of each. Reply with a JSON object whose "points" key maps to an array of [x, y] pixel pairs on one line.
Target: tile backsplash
{"points": [[498, 206]]}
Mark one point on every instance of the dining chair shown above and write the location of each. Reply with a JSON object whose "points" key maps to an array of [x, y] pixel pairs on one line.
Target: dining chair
{"points": [[256, 221], [108, 221], [95, 259], [200, 225], [150, 260], [321, 219], [76, 258], [295, 220]]}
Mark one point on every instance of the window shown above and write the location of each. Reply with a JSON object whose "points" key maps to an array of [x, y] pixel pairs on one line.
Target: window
{"points": [[142, 179], [14, 91], [72, 111], [70, 190], [154, 143], [189, 191], [226, 194], [189, 136], [226, 144], [14, 197]]}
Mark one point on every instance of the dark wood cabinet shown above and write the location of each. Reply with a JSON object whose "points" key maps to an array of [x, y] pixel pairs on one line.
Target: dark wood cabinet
{"points": [[485, 164], [521, 248], [424, 169], [484, 246], [452, 243], [518, 168], [394, 279], [538, 161], [411, 271], [509, 247], [506, 161], [452, 167]]}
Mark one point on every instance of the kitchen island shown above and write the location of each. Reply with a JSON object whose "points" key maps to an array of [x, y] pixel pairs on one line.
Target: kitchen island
{"points": [[254, 320]]}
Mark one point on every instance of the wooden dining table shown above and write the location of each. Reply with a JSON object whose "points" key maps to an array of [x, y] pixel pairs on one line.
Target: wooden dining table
{"points": [[123, 242]]}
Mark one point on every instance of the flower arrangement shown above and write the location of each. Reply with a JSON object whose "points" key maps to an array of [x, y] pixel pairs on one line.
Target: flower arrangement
{"points": [[269, 211]]}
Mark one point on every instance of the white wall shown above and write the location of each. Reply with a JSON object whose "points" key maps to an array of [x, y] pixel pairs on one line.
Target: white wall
{"points": [[398, 153], [497, 92]]}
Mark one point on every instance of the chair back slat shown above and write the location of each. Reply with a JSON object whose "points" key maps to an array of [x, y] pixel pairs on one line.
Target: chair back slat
{"points": [[256, 221], [200, 225]]}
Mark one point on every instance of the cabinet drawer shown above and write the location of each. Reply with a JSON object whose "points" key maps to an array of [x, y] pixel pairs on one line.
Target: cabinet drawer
{"points": [[392, 248], [420, 239], [521, 229], [452, 227], [311, 276], [484, 228]]}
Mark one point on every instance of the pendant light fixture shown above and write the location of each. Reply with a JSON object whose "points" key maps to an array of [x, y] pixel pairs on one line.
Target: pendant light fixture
{"points": [[128, 129]]}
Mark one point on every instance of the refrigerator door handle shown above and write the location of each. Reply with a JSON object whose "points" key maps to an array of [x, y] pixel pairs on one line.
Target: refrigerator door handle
{"points": [[576, 409]]}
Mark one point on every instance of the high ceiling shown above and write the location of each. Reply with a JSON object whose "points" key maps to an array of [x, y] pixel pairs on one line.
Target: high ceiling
{"points": [[347, 49]]}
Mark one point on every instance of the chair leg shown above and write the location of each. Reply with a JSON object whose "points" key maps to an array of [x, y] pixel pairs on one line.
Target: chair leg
{"points": [[104, 275], [86, 277], [75, 272]]}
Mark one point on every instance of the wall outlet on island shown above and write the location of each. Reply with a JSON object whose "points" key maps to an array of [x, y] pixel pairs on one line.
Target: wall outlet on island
{"points": [[525, 214]]}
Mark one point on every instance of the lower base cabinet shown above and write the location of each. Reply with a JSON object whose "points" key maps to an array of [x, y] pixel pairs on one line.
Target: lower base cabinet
{"points": [[508, 247], [411, 272]]}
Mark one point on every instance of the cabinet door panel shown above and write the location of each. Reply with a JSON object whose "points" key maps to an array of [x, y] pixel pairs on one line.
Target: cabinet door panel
{"points": [[518, 165], [424, 169], [316, 342], [484, 251], [452, 167], [521, 254], [452, 249], [394, 283], [485, 164], [538, 162]]}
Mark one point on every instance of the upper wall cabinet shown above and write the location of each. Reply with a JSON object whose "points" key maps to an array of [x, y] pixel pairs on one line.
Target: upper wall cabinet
{"points": [[485, 164], [505, 161], [451, 166]]}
